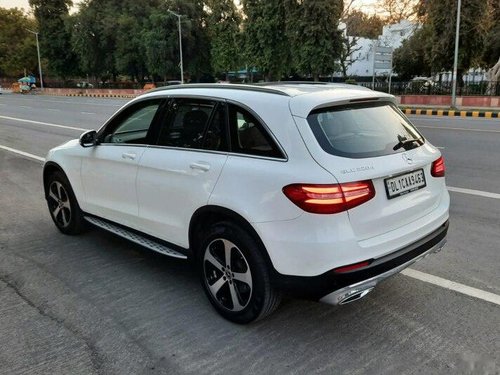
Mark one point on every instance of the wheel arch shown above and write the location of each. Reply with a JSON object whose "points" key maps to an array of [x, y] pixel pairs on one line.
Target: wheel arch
{"points": [[49, 168], [210, 214]]}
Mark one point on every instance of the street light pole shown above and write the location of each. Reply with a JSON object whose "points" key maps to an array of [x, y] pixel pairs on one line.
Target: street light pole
{"points": [[39, 61], [455, 62], [180, 42]]}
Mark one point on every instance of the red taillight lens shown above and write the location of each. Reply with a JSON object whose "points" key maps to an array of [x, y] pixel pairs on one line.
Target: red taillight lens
{"points": [[352, 267], [330, 199], [438, 168]]}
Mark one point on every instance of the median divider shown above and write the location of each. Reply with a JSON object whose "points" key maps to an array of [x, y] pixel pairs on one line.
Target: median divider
{"points": [[105, 95], [484, 113]]}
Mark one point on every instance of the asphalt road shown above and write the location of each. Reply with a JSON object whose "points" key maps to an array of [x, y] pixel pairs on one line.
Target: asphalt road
{"points": [[97, 304]]}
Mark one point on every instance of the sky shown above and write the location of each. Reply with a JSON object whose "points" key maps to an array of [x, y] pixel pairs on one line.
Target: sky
{"points": [[21, 4], [365, 5]]}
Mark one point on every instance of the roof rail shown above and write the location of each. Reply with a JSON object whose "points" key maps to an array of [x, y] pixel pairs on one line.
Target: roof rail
{"points": [[294, 83], [230, 86]]}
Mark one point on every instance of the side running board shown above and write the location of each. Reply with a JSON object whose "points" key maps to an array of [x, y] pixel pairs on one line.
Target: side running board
{"points": [[134, 237]]}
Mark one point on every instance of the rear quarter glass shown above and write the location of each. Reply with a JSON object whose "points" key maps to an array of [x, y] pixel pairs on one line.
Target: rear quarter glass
{"points": [[362, 130]]}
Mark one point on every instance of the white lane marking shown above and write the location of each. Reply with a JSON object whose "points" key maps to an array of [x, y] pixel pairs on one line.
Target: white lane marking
{"points": [[87, 113], [479, 193], [80, 103], [19, 152], [462, 129], [43, 123], [25, 106], [451, 285], [440, 147], [53, 109]]}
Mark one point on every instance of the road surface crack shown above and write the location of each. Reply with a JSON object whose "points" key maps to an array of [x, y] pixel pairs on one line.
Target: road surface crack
{"points": [[94, 355]]}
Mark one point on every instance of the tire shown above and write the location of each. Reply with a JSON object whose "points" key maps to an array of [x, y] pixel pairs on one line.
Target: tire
{"points": [[239, 289], [63, 206]]}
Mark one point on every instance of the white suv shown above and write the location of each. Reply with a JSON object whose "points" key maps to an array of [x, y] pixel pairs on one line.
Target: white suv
{"points": [[312, 190]]}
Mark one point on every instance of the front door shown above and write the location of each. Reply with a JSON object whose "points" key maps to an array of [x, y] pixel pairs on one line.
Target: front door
{"points": [[109, 170]]}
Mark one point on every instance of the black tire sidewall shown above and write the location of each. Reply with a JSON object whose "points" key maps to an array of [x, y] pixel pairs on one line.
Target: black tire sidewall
{"points": [[258, 268]]}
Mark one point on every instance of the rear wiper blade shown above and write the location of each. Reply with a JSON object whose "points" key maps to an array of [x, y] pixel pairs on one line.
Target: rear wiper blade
{"points": [[404, 141]]}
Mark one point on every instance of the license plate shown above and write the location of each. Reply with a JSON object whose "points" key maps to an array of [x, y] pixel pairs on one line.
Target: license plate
{"points": [[404, 183]]}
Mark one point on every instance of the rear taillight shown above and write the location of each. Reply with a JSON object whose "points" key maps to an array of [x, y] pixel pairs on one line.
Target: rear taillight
{"points": [[330, 199], [438, 168]]}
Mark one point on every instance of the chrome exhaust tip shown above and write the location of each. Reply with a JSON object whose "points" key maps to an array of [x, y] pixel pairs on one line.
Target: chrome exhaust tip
{"points": [[353, 295]]}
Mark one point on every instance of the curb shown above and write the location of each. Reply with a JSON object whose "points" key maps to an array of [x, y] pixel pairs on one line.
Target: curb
{"points": [[104, 95], [446, 112]]}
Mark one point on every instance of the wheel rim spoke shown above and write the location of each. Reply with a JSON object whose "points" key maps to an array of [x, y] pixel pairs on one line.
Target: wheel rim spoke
{"points": [[64, 218], [53, 196], [60, 190], [244, 277], [235, 298], [56, 212], [210, 258], [215, 287], [228, 246]]}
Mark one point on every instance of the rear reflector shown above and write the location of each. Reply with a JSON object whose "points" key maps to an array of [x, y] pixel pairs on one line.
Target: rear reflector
{"points": [[329, 199], [438, 168], [352, 267]]}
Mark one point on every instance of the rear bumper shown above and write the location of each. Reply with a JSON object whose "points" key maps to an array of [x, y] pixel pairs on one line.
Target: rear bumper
{"points": [[340, 288]]}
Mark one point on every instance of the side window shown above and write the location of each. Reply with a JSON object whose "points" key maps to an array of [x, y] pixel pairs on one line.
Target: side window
{"points": [[186, 123], [132, 125], [248, 136]]}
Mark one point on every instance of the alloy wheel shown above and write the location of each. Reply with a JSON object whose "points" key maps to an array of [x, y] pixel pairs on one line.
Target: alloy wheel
{"points": [[227, 275], [59, 204]]}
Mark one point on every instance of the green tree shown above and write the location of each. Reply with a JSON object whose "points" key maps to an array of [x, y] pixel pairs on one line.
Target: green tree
{"points": [[395, 11], [129, 56], [223, 24], [17, 45], [359, 24], [108, 37], [411, 59], [55, 34], [440, 16], [315, 40], [491, 24], [196, 42], [266, 43], [161, 43]]}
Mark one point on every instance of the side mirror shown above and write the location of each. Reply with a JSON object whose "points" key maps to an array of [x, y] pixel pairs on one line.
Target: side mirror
{"points": [[88, 139]]}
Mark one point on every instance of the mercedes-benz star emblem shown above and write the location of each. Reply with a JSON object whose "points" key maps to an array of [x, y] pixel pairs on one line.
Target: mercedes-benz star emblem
{"points": [[407, 158]]}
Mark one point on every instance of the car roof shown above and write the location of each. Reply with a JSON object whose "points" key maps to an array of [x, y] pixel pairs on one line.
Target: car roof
{"points": [[303, 97]]}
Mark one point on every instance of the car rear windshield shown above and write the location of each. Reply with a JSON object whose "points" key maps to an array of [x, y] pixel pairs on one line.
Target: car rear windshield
{"points": [[363, 130]]}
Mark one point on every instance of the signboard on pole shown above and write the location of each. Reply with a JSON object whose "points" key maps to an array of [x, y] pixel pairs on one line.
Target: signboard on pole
{"points": [[382, 59]]}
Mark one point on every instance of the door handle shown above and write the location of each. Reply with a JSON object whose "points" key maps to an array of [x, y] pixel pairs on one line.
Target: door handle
{"points": [[201, 166], [129, 155]]}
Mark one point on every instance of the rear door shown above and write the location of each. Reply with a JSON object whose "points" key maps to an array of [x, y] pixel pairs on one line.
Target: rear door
{"points": [[177, 176], [374, 141]]}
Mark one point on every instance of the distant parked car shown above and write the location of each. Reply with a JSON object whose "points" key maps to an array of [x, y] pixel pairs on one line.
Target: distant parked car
{"points": [[422, 85], [85, 85], [315, 191]]}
